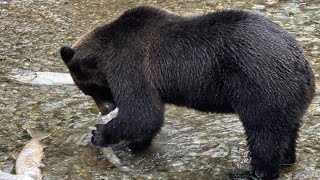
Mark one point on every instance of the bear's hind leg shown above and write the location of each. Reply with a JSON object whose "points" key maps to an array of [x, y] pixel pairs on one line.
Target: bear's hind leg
{"points": [[289, 156], [267, 140]]}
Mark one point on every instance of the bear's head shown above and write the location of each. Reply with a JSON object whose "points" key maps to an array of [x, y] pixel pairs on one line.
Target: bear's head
{"points": [[87, 75]]}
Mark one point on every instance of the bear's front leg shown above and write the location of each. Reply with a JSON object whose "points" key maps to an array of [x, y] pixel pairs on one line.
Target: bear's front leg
{"points": [[137, 125], [106, 134], [141, 110]]}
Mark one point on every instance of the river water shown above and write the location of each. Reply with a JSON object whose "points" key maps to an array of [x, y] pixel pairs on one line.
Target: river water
{"points": [[191, 145]]}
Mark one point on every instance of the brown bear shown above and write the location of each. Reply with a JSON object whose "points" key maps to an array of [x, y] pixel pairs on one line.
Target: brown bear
{"points": [[224, 62]]}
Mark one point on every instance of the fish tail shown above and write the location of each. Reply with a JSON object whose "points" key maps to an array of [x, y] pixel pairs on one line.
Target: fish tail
{"points": [[38, 135]]}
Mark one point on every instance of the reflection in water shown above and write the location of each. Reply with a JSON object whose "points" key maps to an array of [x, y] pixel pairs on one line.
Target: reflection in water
{"points": [[192, 145]]}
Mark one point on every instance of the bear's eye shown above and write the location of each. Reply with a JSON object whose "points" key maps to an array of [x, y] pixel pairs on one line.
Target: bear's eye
{"points": [[77, 72]]}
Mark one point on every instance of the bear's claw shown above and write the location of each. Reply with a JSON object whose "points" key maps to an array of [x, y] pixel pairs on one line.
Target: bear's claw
{"points": [[97, 138]]}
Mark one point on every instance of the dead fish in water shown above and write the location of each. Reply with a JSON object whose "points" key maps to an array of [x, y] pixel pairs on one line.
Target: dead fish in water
{"points": [[44, 78], [107, 151], [29, 159], [8, 176], [113, 159]]}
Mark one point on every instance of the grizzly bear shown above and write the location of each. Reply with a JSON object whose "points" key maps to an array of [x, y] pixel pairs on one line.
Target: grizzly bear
{"points": [[222, 62]]}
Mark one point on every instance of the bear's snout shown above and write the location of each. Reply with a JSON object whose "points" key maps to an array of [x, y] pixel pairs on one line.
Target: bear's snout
{"points": [[106, 107]]}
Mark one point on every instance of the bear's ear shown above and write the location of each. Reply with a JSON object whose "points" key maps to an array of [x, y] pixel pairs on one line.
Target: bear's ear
{"points": [[66, 54]]}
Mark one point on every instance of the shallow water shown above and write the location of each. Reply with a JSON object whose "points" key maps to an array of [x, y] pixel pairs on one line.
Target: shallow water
{"points": [[192, 145]]}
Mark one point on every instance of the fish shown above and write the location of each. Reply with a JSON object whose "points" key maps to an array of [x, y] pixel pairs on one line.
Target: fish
{"points": [[113, 159], [107, 151], [107, 118], [44, 78], [29, 160]]}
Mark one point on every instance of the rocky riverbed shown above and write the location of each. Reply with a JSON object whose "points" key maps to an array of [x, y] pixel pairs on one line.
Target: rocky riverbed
{"points": [[192, 145]]}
